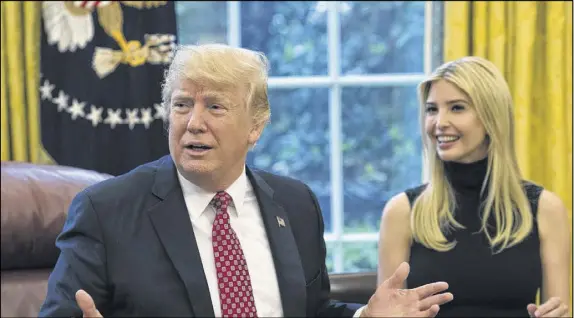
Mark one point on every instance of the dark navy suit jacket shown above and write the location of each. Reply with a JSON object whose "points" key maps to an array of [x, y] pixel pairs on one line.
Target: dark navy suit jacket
{"points": [[129, 242]]}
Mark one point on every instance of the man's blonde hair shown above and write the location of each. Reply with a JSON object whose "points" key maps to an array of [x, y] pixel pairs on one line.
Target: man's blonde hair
{"points": [[224, 68], [506, 200]]}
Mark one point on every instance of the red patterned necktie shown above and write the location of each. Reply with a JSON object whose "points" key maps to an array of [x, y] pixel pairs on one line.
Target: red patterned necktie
{"points": [[235, 292]]}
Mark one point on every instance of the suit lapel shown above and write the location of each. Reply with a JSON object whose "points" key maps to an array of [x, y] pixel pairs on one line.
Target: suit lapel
{"points": [[173, 226], [288, 266]]}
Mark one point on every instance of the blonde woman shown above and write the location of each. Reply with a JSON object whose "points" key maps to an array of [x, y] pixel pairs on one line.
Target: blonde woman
{"points": [[494, 237]]}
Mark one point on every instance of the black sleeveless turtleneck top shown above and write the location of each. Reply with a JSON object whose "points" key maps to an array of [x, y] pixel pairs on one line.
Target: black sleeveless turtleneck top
{"points": [[484, 283]]}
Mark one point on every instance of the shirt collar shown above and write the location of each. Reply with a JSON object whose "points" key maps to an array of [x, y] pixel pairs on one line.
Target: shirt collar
{"points": [[198, 199]]}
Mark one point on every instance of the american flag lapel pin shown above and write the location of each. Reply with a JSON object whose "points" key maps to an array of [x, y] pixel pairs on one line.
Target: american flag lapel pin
{"points": [[281, 222]]}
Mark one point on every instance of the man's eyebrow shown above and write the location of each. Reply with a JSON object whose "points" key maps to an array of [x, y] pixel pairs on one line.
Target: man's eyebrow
{"points": [[182, 98], [214, 95], [218, 97], [209, 96]]}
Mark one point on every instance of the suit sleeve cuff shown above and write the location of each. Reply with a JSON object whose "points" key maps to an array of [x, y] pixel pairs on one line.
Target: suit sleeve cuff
{"points": [[358, 312]]}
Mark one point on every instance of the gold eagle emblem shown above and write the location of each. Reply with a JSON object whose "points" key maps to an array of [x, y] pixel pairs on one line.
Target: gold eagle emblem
{"points": [[69, 25]]}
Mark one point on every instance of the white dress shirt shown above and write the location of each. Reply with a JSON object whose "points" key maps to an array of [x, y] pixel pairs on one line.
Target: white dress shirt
{"points": [[246, 221]]}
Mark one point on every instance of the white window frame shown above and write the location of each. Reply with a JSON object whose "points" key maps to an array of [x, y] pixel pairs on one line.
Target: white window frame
{"points": [[335, 82]]}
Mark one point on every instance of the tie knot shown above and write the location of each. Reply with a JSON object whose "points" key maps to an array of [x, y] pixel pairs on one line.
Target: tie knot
{"points": [[221, 201]]}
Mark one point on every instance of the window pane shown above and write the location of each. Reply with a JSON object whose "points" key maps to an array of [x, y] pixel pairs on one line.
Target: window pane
{"points": [[296, 141], [382, 151], [360, 257], [382, 37], [293, 35], [329, 261], [437, 39], [201, 22]]}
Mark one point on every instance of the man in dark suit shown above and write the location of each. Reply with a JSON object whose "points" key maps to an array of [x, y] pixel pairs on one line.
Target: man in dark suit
{"points": [[197, 233]]}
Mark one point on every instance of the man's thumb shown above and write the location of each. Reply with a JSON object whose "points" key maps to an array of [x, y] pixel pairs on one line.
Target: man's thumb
{"points": [[531, 309], [86, 304], [399, 276]]}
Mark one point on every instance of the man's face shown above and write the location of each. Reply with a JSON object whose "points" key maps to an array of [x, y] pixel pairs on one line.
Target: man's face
{"points": [[210, 133]]}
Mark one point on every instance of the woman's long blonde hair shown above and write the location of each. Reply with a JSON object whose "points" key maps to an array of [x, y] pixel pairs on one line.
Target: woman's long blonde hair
{"points": [[432, 213]]}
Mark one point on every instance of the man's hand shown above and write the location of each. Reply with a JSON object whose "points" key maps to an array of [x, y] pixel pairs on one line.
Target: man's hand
{"points": [[390, 300], [86, 304], [554, 307]]}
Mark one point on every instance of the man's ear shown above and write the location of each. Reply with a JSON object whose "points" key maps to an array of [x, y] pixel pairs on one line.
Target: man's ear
{"points": [[255, 133]]}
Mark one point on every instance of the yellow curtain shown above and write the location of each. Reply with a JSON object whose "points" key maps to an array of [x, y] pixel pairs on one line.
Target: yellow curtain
{"points": [[20, 60], [531, 43]]}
